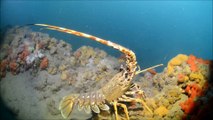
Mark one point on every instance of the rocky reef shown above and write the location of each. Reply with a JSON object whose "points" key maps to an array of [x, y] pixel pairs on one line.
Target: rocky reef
{"points": [[40, 70], [183, 91], [37, 70]]}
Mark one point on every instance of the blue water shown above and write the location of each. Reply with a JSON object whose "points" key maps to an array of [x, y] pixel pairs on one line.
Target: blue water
{"points": [[155, 31]]}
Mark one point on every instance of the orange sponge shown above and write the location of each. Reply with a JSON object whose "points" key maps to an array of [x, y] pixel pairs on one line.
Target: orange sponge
{"points": [[194, 91], [192, 62], [44, 63]]}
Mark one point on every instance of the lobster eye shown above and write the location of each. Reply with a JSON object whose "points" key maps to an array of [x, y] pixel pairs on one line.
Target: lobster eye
{"points": [[126, 75]]}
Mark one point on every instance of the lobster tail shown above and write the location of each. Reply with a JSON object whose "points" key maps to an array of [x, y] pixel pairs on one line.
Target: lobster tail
{"points": [[66, 105], [88, 102]]}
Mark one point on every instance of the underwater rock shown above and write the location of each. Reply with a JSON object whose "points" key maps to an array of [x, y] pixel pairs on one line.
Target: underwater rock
{"points": [[51, 106], [62, 67], [13, 67], [52, 70], [83, 54], [100, 53], [17, 40], [72, 61], [4, 51], [64, 75], [53, 50], [40, 86], [54, 41], [9, 37], [46, 40], [61, 44]]}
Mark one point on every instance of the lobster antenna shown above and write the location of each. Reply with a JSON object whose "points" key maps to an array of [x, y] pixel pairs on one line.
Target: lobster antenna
{"points": [[130, 55]]}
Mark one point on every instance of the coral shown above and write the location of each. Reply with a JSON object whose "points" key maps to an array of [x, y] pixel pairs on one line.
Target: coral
{"points": [[40, 45], [172, 93], [193, 61], [176, 61], [77, 53], [83, 54], [30, 58], [3, 68], [13, 67], [201, 61], [161, 111], [182, 78], [186, 69], [24, 54], [44, 63], [194, 76], [38, 54]]}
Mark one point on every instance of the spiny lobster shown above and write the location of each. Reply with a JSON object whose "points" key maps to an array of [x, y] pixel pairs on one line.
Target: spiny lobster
{"points": [[117, 90]]}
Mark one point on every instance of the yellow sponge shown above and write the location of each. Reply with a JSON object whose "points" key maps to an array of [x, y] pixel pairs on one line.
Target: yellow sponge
{"points": [[178, 60]]}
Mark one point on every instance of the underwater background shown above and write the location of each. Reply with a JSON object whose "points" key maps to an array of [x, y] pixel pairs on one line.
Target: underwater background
{"points": [[154, 30], [40, 67]]}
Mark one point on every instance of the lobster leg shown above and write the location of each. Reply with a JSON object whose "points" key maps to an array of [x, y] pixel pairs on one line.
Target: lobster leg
{"points": [[129, 99], [115, 104], [125, 109], [116, 109]]}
